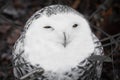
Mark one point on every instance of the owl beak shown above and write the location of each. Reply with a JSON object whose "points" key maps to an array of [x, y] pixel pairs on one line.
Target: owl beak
{"points": [[65, 40]]}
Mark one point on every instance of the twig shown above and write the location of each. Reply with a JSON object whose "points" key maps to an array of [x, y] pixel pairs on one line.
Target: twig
{"points": [[38, 70]]}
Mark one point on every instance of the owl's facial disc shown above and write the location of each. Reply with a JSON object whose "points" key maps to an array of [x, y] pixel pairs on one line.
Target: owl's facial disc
{"points": [[57, 39]]}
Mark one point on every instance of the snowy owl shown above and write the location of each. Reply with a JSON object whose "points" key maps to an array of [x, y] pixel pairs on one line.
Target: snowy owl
{"points": [[58, 40]]}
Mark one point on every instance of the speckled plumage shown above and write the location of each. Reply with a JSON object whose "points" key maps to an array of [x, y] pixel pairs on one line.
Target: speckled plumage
{"points": [[85, 70]]}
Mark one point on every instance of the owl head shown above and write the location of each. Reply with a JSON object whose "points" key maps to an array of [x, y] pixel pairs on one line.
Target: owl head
{"points": [[57, 34]]}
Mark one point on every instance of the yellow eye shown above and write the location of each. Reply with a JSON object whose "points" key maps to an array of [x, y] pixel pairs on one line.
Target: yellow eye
{"points": [[75, 25]]}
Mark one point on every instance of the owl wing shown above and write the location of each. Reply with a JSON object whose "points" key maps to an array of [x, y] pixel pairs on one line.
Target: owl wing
{"points": [[98, 53], [98, 46]]}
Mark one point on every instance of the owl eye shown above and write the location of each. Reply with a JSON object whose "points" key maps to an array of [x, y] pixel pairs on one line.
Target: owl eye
{"points": [[75, 25], [48, 27]]}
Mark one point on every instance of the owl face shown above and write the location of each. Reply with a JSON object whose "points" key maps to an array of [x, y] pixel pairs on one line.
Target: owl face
{"points": [[61, 29], [62, 37]]}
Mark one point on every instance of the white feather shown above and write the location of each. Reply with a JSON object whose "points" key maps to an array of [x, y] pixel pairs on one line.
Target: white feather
{"points": [[44, 46]]}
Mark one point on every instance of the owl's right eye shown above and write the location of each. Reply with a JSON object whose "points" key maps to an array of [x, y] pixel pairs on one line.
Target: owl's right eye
{"points": [[48, 27]]}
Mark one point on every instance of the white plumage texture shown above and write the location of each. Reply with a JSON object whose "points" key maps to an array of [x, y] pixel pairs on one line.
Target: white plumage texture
{"points": [[58, 39], [44, 46]]}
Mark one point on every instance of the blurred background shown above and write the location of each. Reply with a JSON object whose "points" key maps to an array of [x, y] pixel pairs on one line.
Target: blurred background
{"points": [[103, 15]]}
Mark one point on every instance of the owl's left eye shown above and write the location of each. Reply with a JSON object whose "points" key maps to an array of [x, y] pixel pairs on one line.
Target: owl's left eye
{"points": [[75, 25]]}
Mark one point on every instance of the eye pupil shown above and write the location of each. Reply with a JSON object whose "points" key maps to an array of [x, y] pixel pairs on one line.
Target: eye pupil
{"points": [[47, 27], [75, 25]]}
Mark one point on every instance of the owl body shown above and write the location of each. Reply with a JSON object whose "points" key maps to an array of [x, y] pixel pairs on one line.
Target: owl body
{"points": [[59, 40]]}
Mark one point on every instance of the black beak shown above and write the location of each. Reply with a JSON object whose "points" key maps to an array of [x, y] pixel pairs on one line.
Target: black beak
{"points": [[65, 40]]}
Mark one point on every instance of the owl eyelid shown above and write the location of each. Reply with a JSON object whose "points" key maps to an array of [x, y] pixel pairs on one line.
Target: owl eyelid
{"points": [[75, 25], [48, 27]]}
